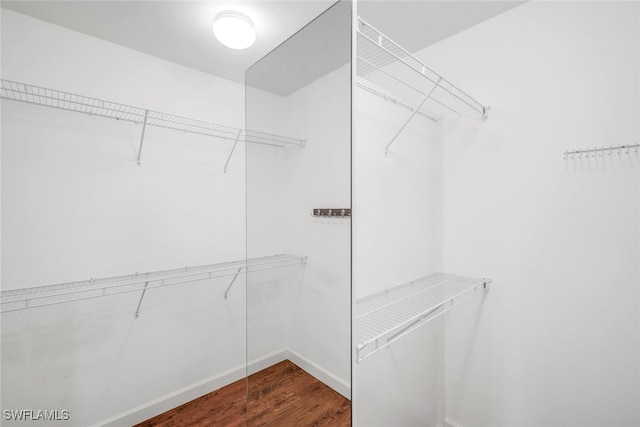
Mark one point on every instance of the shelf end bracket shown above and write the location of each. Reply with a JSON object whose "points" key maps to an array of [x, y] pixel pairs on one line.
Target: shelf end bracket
{"points": [[226, 293], [144, 127], [413, 114], [141, 298], [232, 150]]}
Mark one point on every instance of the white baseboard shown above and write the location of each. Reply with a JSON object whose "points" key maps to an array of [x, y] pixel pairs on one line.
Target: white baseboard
{"points": [[448, 422], [169, 401], [186, 394], [264, 362], [320, 374]]}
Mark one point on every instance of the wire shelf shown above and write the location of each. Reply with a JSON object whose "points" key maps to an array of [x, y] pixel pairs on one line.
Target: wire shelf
{"points": [[382, 318], [38, 95], [389, 71], [40, 296]]}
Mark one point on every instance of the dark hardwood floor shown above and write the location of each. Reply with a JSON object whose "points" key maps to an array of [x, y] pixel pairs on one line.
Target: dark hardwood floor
{"points": [[283, 395]]}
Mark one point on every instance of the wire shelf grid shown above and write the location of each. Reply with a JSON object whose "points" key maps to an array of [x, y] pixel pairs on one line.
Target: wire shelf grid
{"points": [[382, 318], [386, 69], [40, 296], [38, 95]]}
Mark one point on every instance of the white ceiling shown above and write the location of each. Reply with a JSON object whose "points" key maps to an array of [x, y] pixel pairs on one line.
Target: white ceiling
{"points": [[180, 31]]}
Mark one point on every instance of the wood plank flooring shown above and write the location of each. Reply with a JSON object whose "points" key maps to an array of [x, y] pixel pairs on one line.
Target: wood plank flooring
{"points": [[283, 395]]}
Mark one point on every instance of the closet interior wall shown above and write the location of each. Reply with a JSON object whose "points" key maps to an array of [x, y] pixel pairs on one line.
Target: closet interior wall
{"points": [[306, 317], [76, 206], [556, 342], [396, 239]]}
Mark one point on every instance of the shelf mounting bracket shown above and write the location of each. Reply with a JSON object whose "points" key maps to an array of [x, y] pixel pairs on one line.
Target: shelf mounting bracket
{"points": [[226, 293], [141, 298], [232, 150], [144, 127], [413, 114]]}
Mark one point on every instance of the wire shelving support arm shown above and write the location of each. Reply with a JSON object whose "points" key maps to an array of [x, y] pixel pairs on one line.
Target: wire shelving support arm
{"points": [[226, 293], [144, 290], [226, 164], [413, 114], [144, 127]]}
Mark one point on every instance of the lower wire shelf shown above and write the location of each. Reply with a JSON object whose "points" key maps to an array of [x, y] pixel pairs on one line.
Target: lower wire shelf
{"points": [[384, 317], [40, 296]]}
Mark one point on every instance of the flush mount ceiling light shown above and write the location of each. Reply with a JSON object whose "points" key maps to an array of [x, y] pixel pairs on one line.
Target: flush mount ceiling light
{"points": [[234, 29]]}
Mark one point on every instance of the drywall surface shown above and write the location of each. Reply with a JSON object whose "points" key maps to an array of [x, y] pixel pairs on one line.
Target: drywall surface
{"points": [[311, 315], [319, 176], [396, 239], [75, 206], [268, 302], [555, 343], [68, 164]]}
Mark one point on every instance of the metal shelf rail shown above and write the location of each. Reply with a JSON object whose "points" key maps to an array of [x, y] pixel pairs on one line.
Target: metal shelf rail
{"points": [[41, 296], [386, 69], [384, 317], [38, 95]]}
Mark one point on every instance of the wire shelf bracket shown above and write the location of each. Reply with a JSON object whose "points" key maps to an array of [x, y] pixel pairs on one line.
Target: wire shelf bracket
{"points": [[381, 319], [413, 114], [144, 127], [43, 296], [31, 94], [226, 293], [144, 290], [226, 164], [387, 70]]}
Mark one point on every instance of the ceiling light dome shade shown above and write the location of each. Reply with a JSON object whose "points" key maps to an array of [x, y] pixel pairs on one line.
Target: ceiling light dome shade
{"points": [[234, 30]]}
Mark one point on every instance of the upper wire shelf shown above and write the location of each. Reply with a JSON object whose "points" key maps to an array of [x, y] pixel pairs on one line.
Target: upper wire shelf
{"points": [[98, 107], [40, 296], [387, 70], [383, 317]]}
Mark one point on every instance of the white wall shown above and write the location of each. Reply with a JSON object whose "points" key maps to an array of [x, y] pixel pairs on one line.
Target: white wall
{"points": [[76, 206], [556, 341], [396, 239], [310, 316], [319, 176]]}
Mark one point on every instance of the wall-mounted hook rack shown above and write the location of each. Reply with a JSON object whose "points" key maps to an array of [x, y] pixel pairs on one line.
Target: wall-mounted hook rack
{"points": [[332, 213], [602, 151]]}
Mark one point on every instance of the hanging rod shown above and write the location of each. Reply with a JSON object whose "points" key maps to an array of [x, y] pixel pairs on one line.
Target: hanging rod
{"points": [[384, 317], [602, 151], [41, 296], [39, 95]]}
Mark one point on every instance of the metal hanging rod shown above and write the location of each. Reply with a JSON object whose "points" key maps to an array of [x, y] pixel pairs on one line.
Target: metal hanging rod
{"points": [[41, 296], [382, 318], [38, 95], [602, 151], [391, 72]]}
